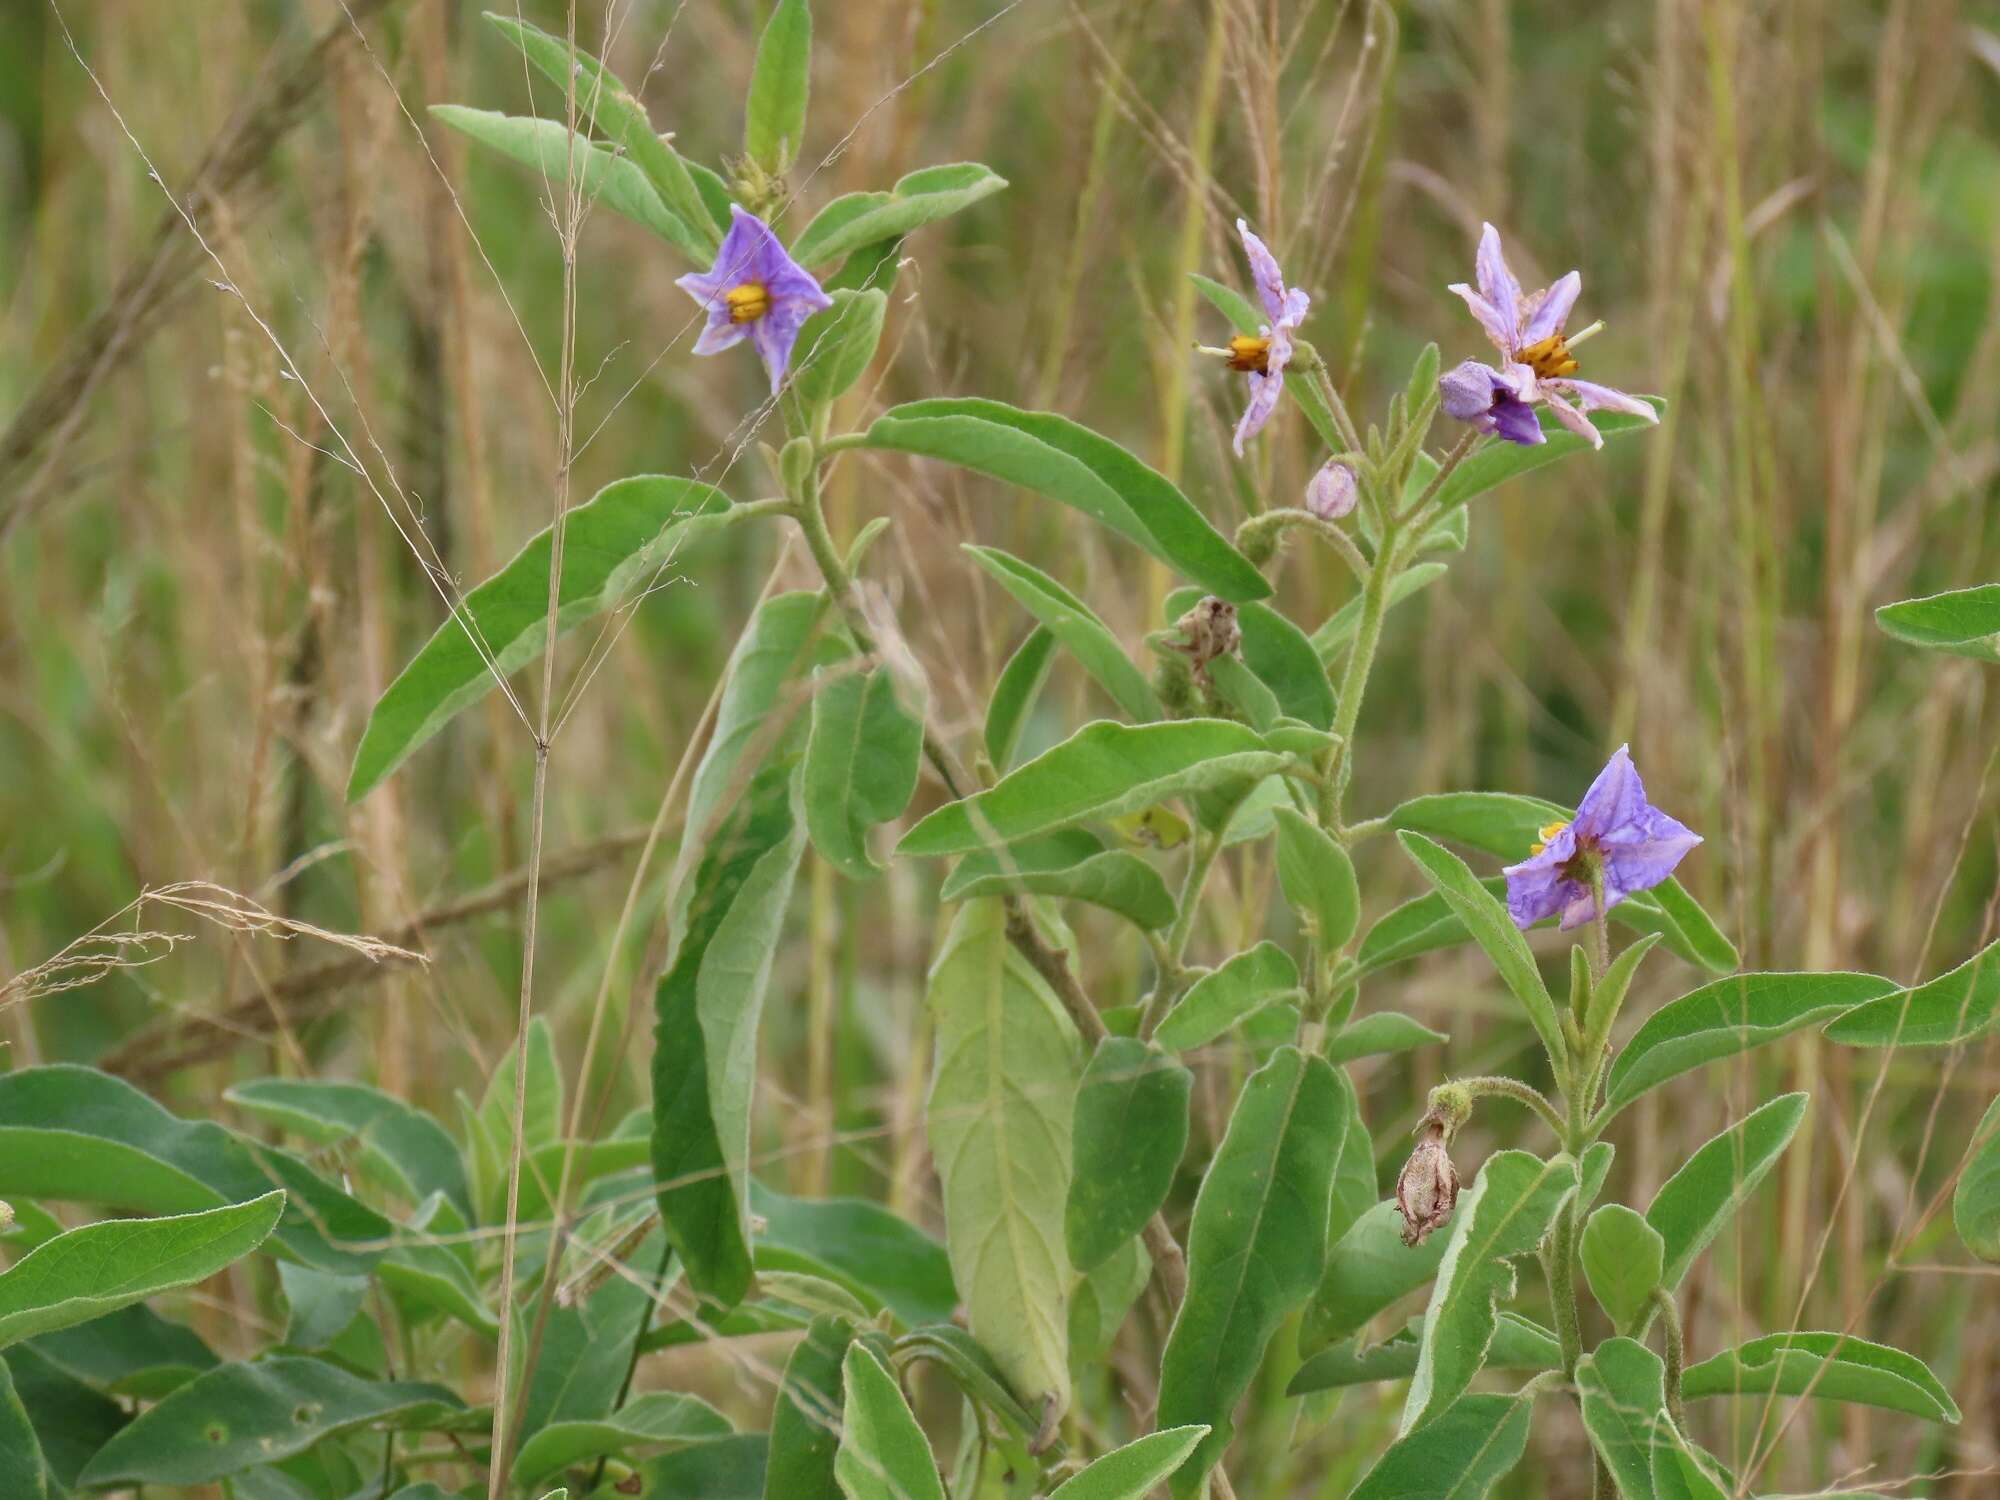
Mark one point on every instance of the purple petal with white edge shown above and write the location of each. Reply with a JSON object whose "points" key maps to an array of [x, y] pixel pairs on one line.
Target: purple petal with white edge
{"points": [[1497, 285], [1264, 272], [1296, 305], [721, 334], [1570, 417], [1594, 397], [1616, 799], [1263, 401], [1498, 329], [774, 334], [1551, 311]]}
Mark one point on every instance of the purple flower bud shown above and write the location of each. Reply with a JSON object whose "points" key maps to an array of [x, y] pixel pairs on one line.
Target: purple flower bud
{"points": [[1331, 493], [1492, 400], [1427, 1190]]}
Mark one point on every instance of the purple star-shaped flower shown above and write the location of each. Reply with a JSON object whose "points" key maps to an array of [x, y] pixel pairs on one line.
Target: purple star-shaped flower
{"points": [[1496, 401], [755, 291], [1633, 845], [1528, 330], [1264, 358]]}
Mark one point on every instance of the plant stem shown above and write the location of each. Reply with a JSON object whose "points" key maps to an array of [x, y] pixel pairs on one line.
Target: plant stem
{"points": [[1560, 1263], [1663, 1303], [1492, 1085], [1354, 681], [1205, 849]]}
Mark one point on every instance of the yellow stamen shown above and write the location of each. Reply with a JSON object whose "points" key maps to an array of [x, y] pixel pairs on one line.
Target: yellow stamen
{"points": [[1545, 833], [1549, 358], [1248, 354], [747, 303]]}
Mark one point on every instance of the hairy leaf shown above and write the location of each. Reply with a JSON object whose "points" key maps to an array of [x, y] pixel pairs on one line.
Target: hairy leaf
{"points": [[863, 1246], [1518, 1344], [861, 761], [1014, 695], [1964, 622], [1830, 1366], [1317, 878], [1693, 1204], [1950, 1009], [855, 221], [805, 1420], [1368, 1269], [1130, 1472], [1225, 997], [1975, 1202], [656, 1419], [1131, 1128], [1081, 633], [1460, 1455], [883, 1454], [774, 120], [1622, 1256], [1384, 1031], [404, 1147]]}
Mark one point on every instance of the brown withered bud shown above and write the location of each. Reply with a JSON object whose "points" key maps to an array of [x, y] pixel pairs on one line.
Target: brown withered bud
{"points": [[1428, 1186], [1208, 631]]}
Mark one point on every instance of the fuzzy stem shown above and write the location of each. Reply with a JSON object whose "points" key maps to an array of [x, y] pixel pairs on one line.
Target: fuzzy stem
{"points": [[1494, 1085], [1670, 1316], [1560, 1263]]}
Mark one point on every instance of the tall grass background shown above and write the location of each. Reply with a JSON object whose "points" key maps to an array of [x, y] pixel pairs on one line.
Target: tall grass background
{"points": [[1788, 213]]}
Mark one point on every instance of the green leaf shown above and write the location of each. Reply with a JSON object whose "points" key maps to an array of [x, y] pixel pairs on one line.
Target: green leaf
{"points": [[1113, 879], [883, 1452], [541, 1118], [1256, 1248], [71, 1419], [1332, 637], [856, 221], [1831, 1366], [1225, 997], [1975, 1202], [240, 1415], [1503, 824], [1317, 878], [1416, 927], [75, 1135], [100, 1268], [1354, 1185], [1460, 1455], [1101, 772], [1368, 1269], [1950, 1009], [1494, 463], [1693, 1204], [1383, 1031], [837, 344], [1727, 1017], [604, 176], [1081, 633], [1055, 457], [1014, 695], [1518, 1344], [1487, 920], [1512, 1204], [1964, 622], [611, 543], [1621, 1386], [707, 1007], [1130, 1472], [23, 1470], [657, 1419], [1622, 1256], [1001, 1104], [861, 1245], [613, 109], [774, 120], [1278, 652], [321, 1305], [132, 1352], [861, 764], [726, 1469], [973, 1370], [1131, 1128], [402, 1146], [805, 1420], [1101, 1300]]}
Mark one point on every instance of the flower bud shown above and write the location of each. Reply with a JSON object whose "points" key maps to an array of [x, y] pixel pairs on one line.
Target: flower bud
{"points": [[1428, 1186], [1331, 493]]}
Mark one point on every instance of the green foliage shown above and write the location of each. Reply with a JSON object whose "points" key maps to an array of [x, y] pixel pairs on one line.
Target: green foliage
{"points": [[861, 763], [1318, 879], [1950, 1009], [883, 1453], [403, 1148], [1623, 1256], [1014, 695], [1517, 1344], [1368, 1269], [1130, 1472], [1080, 632], [1279, 655], [1621, 1386], [1223, 999], [1692, 1205], [1373, 1035], [855, 221], [657, 1419], [1830, 1366], [805, 1419], [774, 120], [1463, 1453], [23, 1471], [1964, 622], [1975, 1202], [836, 345], [1072, 864], [1131, 1129]]}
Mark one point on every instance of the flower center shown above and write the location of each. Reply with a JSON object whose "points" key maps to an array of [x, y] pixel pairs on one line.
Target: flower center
{"points": [[1547, 832], [1549, 358], [1250, 355], [748, 302]]}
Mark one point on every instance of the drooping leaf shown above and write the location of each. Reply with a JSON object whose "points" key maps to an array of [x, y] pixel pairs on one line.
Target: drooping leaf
{"points": [[1830, 1366], [1226, 996], [1071, 864], [838, 343], [1947, 1010], [1131, 1129], [1055, 457], [1100, 772], [1317, 878], [1518, 1344], [1727, 1017], [883, 1453], [100, 1268], [1081, 633], [805, 1420], [403, 1146], [1497, 462], [611, 544], [239, 1415], [1460, 1455], [1509, 1208], [657, 1419], [707, 1007], [1622, 1256], [855, 221], [972, 1368], [862, 1245], [1368, 1269], [1130, 1472], [1621, 1386], [1975, 1202], [23, 1470], [1964, 622], [862, 757], [1383, 1031], [774, 120], [1256, 1248], [1001, 1105], [1487, 920], [1692, 1205], [1278, 652], [1014, 695]]}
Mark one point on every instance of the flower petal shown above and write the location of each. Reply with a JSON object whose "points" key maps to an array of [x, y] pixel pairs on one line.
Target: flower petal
{"points": [[1551, 310], [1537, 888], [1498, 329], [1496, 281], [1570, 417], [1616, 799], [1265, 273], [720, 334], [1644, 863], [1263, 401], [1594, 397], [775, 333], [1516, 422]]}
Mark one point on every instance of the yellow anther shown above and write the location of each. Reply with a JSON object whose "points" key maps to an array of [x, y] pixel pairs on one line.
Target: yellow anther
{"points": [[1545, 833], [748, 302], [1549, 358], [1250, 355]]}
